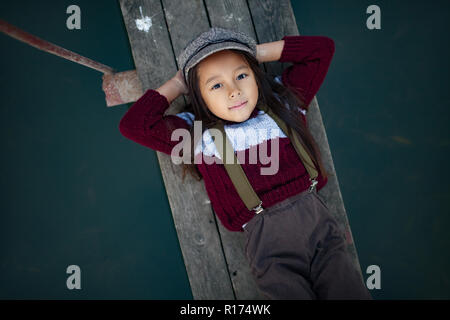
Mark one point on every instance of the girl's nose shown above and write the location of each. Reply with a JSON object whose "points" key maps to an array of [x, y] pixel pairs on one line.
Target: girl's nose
{"points": [[235, 92]]}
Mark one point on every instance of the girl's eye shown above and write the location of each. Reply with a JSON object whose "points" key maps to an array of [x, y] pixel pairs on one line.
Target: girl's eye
{"points": [[243, 74], [246, 75]]}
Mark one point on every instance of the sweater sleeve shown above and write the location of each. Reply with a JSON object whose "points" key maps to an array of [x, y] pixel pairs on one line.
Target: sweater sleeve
{"points": [[145, 123], [311, 56]]}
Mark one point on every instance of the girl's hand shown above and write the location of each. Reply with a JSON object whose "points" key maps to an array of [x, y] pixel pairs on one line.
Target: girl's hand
{"points": [[269, 51], [259, 53], [181, 84]]}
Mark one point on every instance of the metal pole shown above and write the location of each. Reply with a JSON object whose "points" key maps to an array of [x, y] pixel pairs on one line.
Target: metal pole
{"points": [[43, 45]]}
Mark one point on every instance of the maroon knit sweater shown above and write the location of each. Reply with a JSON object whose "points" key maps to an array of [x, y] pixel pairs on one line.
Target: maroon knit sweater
{"points": [[145, 124]]}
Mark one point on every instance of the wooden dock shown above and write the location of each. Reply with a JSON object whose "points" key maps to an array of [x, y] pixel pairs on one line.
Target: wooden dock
{"points": [[158, 30]]}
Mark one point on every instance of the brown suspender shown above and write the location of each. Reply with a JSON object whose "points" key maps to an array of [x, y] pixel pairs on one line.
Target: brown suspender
{"points": [[237, 174]]}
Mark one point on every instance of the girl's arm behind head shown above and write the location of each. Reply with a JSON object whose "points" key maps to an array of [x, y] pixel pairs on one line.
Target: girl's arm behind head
{"points": [[146, 124], [311, 57], [173, 88]]}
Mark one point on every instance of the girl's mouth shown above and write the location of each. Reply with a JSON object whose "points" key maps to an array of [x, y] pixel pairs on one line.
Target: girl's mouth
{"points": [[239, 106]]}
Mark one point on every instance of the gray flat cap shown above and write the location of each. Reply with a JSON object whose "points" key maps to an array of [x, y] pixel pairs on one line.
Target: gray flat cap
{"points": [[211, 41]]}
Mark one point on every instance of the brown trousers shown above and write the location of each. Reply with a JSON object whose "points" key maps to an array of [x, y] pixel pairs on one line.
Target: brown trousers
{"points": [[296, 251]]}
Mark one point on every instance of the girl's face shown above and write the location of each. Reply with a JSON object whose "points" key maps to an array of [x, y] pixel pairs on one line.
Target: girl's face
{"points": [[225, 81]]}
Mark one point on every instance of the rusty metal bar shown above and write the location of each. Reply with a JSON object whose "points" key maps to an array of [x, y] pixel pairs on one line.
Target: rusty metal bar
{"points": [[43, 45]]}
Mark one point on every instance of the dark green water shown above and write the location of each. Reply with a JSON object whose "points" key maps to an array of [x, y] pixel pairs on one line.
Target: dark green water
{"points": [[75, 191]]}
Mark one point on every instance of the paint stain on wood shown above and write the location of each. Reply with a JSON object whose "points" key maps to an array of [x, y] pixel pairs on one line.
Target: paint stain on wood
{"points": [[145, 23]]}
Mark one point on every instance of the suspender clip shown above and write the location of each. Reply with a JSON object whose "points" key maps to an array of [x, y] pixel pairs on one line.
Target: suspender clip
{"points": [[258, 209], [313, 184]]}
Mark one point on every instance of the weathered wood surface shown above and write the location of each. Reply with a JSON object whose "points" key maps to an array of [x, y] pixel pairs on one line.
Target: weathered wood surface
{"points": [[214, 257]]}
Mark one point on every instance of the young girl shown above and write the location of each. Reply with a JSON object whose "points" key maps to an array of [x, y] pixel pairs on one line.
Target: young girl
{"points": [[294, 245]]}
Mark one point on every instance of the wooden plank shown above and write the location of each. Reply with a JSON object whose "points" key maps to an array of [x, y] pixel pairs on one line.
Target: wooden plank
{"points": [[273, 20], [153, 53], [215, 273]]}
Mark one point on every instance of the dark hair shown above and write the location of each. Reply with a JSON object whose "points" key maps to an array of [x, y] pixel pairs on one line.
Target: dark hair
{"points": [[267, 86]]}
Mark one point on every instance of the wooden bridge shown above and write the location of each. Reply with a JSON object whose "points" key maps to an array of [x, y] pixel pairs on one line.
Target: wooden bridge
{"points": [[158, 30]]}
